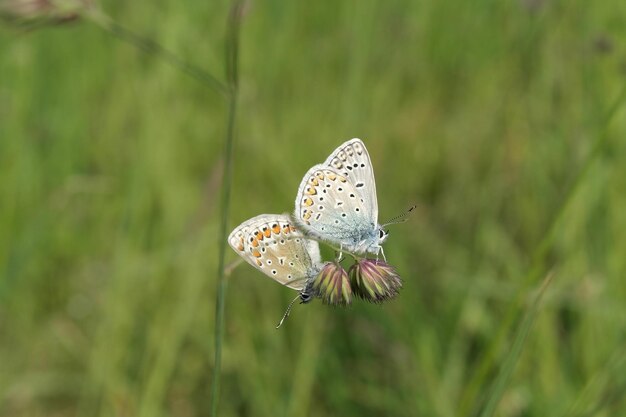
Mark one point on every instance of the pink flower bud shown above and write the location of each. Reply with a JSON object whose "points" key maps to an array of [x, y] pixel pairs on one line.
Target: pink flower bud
{"points": [[374, 281], [332, 285]]}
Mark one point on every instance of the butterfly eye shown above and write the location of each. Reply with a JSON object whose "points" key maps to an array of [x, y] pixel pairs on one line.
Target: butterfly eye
{"points": [[381, 233]]}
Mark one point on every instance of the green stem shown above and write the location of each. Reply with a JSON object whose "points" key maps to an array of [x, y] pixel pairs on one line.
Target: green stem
{"points": [[232, 55], [537, 268], [508, 365], [151, 47]]}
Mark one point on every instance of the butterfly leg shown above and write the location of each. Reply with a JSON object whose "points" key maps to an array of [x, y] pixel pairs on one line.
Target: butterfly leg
{"points": [[383, 253], [340, 255]]}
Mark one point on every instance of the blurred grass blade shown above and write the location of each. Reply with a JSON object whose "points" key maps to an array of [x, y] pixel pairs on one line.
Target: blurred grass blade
{"points": [[151, 47], [604, 389], [537, 268], [30, 15], [508, 366], [232, 56]]}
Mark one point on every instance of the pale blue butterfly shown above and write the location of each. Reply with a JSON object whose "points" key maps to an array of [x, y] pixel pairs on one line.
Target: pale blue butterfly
{"points": [[336, 201]]}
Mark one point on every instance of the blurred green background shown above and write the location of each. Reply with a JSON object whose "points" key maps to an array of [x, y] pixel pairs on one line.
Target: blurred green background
{"points": [[484, 113]]}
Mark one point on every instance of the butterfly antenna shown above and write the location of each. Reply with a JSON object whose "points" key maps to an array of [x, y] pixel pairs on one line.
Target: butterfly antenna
{"points": [[287, 311], [402, 217]]}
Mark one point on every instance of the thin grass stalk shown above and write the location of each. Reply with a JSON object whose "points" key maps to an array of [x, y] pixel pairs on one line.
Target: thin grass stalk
{"points": [[538, 267], [508, 365], [232, 75], [153, 48], [604, 385]]}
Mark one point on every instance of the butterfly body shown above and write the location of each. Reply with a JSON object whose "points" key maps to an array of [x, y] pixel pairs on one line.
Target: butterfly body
{"points": [[336, 201]]}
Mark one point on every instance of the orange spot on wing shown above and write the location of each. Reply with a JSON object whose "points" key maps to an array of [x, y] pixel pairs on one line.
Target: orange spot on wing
{"points": [[259, 263], [276, 229], [307, 202], [293, 229], [240, 247], [255, 243], [267, 232], [286, 229], [311, 191], [331, 176], [258, 235], [319, 175], [314, 181], [255, 253]]}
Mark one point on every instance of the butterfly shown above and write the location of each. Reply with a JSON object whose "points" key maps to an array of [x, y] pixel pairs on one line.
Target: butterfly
{"points": [[336, 201], [272, 244]]}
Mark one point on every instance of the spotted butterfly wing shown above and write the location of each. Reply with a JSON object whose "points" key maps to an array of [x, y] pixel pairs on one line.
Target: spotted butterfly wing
{"points": [[329, 207], [352, 160], [272, 244]]}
